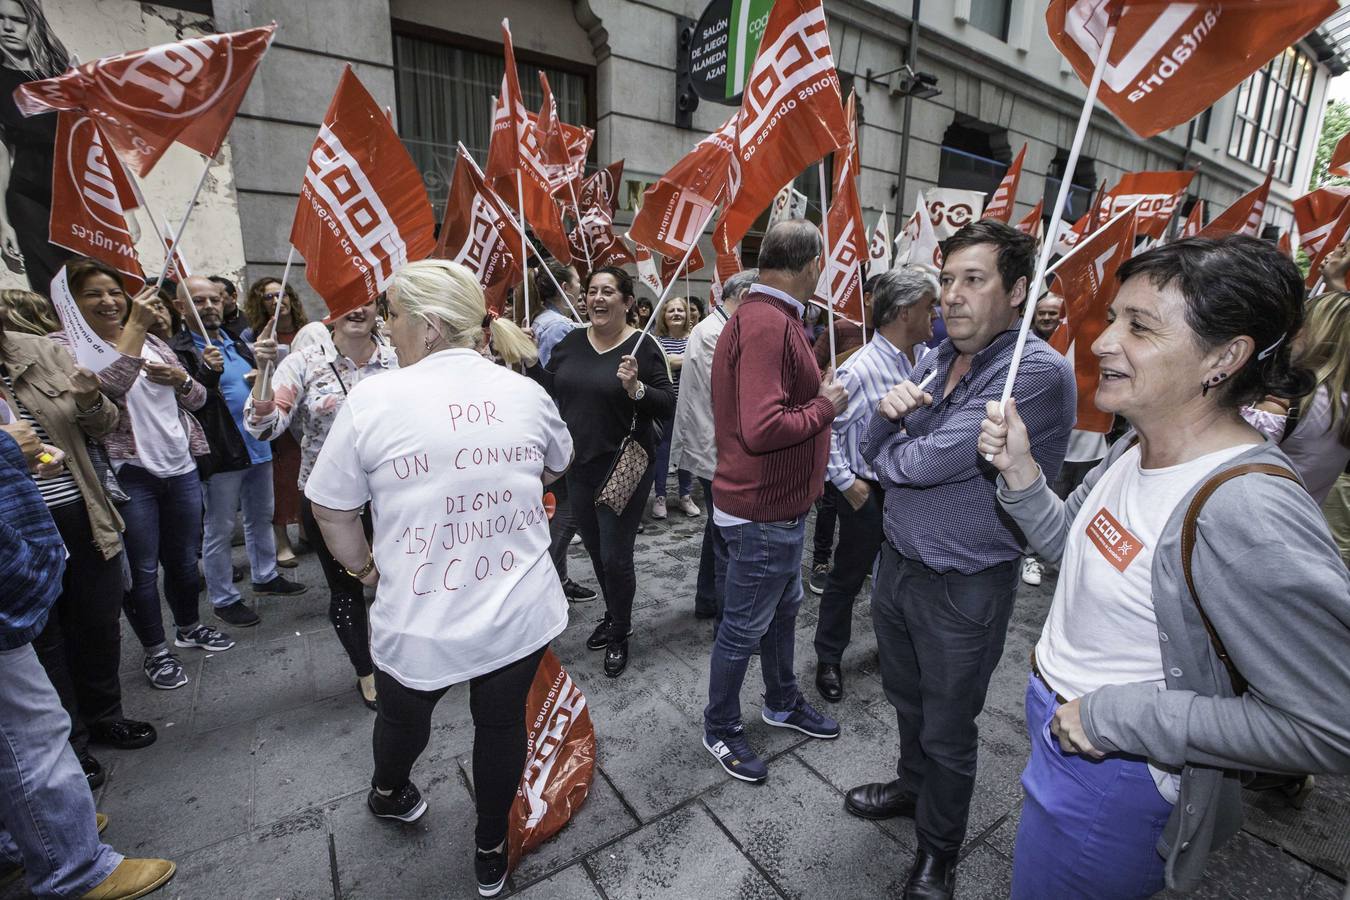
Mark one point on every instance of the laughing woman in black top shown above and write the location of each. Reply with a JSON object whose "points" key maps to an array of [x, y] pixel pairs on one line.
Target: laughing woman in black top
{"points": [[605, 378]]}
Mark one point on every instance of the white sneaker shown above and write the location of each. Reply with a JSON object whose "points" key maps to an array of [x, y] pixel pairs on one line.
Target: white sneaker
{"points": [[1032, 570], [689, 507], [659, 508]]}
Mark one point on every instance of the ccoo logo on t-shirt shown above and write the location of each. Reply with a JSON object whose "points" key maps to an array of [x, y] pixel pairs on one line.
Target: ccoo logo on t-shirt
{"points": [[1110, 537]]}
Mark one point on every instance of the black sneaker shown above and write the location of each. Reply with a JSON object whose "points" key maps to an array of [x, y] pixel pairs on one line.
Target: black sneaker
{"points": [[165, 671], [203, 637], [124, 734], [816, 581], [405, 804], [490, 867], [599, 638], [616, 658], [577, 593], [93, 770], [237, 614], [279, 586]]}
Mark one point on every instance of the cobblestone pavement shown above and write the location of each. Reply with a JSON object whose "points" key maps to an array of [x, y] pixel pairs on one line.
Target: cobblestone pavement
{"points": [[257, 784]]}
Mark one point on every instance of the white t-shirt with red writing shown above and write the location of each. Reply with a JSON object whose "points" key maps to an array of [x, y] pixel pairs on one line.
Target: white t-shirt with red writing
{"points": [[1102, 628], [450, 453]]}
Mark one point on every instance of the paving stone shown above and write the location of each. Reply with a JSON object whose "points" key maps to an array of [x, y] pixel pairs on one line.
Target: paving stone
{"points": [[309, 756], [780, 825], [1317, 833], [288, 861], [1246, 868], [983, 874], [332, 670], [251, 682], [571, 883], [680, 855], [1324, 888]]}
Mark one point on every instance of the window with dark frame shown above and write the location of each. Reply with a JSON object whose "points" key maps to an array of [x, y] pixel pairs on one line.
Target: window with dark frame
{"points": [[992, 17], [1272, 107]]}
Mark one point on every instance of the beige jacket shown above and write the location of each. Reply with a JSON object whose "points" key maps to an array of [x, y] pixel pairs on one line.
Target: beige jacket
{"points": [[41, 370]]}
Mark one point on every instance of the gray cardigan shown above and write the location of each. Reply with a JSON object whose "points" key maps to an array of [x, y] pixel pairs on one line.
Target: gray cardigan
{"points": [[1274, 586]]}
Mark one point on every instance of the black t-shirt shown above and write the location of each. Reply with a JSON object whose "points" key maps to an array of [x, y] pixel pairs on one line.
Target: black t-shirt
{"points": [[32, 141], [592, 401]]}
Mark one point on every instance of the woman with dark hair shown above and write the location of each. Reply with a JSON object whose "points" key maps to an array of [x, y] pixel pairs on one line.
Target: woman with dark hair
{"points": [[28, 51], [609, 384], [154, 448], [261, 304], [1201, 624]]}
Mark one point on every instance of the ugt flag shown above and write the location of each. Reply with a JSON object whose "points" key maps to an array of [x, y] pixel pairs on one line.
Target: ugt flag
{"points": [[363, 210]]}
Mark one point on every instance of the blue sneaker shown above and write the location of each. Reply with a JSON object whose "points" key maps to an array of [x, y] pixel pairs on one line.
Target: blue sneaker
{"points": [[734, 753], [804, 718]]}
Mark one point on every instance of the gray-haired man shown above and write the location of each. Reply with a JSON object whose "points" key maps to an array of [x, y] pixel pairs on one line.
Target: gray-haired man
{"points": [[903, 302], [695, 446]]}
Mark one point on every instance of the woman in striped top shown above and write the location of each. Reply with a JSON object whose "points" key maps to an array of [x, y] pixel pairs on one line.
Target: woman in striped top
{"points": [[673, 334]]}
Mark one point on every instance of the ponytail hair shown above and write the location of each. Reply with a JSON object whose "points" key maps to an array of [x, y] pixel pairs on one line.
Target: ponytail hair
{"points": [[447, 294]]}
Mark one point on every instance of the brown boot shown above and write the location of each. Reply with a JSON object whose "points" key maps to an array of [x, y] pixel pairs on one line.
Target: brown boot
{"points": [[133, 878]]}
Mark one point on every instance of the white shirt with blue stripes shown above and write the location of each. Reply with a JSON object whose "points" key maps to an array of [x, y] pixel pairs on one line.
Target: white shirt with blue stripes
{"points": [[867, 376]]}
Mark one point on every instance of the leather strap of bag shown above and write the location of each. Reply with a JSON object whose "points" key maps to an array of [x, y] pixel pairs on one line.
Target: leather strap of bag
{"points": [[1189, 527]]}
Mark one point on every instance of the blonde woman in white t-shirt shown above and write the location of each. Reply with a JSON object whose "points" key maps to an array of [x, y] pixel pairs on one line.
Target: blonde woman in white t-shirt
{"points": [[452, 452], [1138, 724]]}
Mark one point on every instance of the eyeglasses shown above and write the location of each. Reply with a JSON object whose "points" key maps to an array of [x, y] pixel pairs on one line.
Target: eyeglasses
{"points": [[272, 295]]}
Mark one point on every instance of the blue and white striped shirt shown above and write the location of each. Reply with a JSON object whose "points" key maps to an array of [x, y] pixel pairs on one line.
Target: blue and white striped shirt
{"points": [[867, 376]]}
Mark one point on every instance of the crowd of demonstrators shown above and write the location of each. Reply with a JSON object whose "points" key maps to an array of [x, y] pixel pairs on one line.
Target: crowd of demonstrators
{"points": [[672, 333], [260, 307], [695, 441], [237, 474], [1160, 673], [425, 634], [49, 831], [771, 412], [945, 583], [902, 309], [306, 390], [611, 386]]}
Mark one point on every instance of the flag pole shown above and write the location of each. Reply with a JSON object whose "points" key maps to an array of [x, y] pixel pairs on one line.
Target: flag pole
{"points": [[271, 328], [178, 237], [524, 242], [1057, 216], [585, 239], [829, 263], [543, 265], [674, 276]]}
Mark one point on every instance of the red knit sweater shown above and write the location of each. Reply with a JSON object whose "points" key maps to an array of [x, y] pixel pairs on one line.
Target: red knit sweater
{"points": [[772, 428]]}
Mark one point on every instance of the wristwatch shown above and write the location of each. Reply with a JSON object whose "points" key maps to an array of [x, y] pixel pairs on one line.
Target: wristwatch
{"points": [[641, 391], [186, 387], [364, 570]]}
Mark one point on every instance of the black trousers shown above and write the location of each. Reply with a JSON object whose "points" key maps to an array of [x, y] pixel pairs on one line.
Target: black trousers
{"points": [[860, 537], [81, 645], [561, 527], [497, 704], [347, 608], [822, 536], [609, 539], [708, 594]]}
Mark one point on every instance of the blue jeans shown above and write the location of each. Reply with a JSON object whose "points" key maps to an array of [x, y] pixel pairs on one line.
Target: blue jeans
{"points": [[759, 609], [1090, 827], [227, 492], [46, 810], [686, 479], [164, 526]]}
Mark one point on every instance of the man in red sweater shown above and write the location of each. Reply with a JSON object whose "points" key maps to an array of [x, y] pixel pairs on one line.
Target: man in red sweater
{"points": [[771, 415]]}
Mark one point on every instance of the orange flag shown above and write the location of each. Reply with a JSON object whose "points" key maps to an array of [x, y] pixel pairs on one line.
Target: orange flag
{"points": [[1323, 218], [90, 196], [515, 165], [841, 280], [479, 234], [670, 264], [1170, 61], [1157, 194], [1194, 222], [187, 91], [677, 207], [602, 188], [728, 264], [1286, 244], [563, 148], [363, 209], [1243, 217], [1340, 157], [792, 113], [1000, 206], [1033, 224], [1087, 282]]}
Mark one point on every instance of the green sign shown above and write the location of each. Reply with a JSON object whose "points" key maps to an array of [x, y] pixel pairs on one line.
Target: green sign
{"points": [[723, 50]]}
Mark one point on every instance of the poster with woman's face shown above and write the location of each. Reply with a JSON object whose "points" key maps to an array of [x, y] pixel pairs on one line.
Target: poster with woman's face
{"points": [[40, 39]]}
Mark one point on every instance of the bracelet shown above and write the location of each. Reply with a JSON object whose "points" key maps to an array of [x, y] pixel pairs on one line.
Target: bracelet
{"points": [[364, 570]]}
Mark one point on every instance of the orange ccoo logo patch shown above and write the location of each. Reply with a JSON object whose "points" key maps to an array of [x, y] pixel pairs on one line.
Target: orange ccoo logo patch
{"points": [[1110, 537]]}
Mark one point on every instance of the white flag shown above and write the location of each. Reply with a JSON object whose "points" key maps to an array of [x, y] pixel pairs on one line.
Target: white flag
{"points": [[951, 209], [646, 267], [789, 203], [879, 250], [91, 351], [925, 249]]}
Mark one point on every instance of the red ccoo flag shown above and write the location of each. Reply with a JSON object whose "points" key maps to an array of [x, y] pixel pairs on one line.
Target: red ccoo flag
{"points": [[1323, 219], [187, 91], [479, 234], [1087, 282], [1243, 217], [670, 264], [90, 197], [1000, 206], [792, 113], [1156, 194], [848, 248], [563, 148], [363, 210], [1194, 222], [1170, 61], [676, 209], [1286, 244], [1340, 157], [1034, 222]]}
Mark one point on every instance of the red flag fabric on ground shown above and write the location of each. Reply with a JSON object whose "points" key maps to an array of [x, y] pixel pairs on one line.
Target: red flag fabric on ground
{"points": [[187, 91], [1243, 217], [1323, 218], [1157, 194], [1000, 206], [792, 113], [1170, 61], [1033, 224], [90, 196], [1087, 282], [363, 210], [1194, 222], [479, 234], [560, 763], [677, 207], [1340, 157]]}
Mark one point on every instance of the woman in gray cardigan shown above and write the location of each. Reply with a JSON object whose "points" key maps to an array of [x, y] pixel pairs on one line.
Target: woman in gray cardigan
{"points": [[1139, 729]]}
